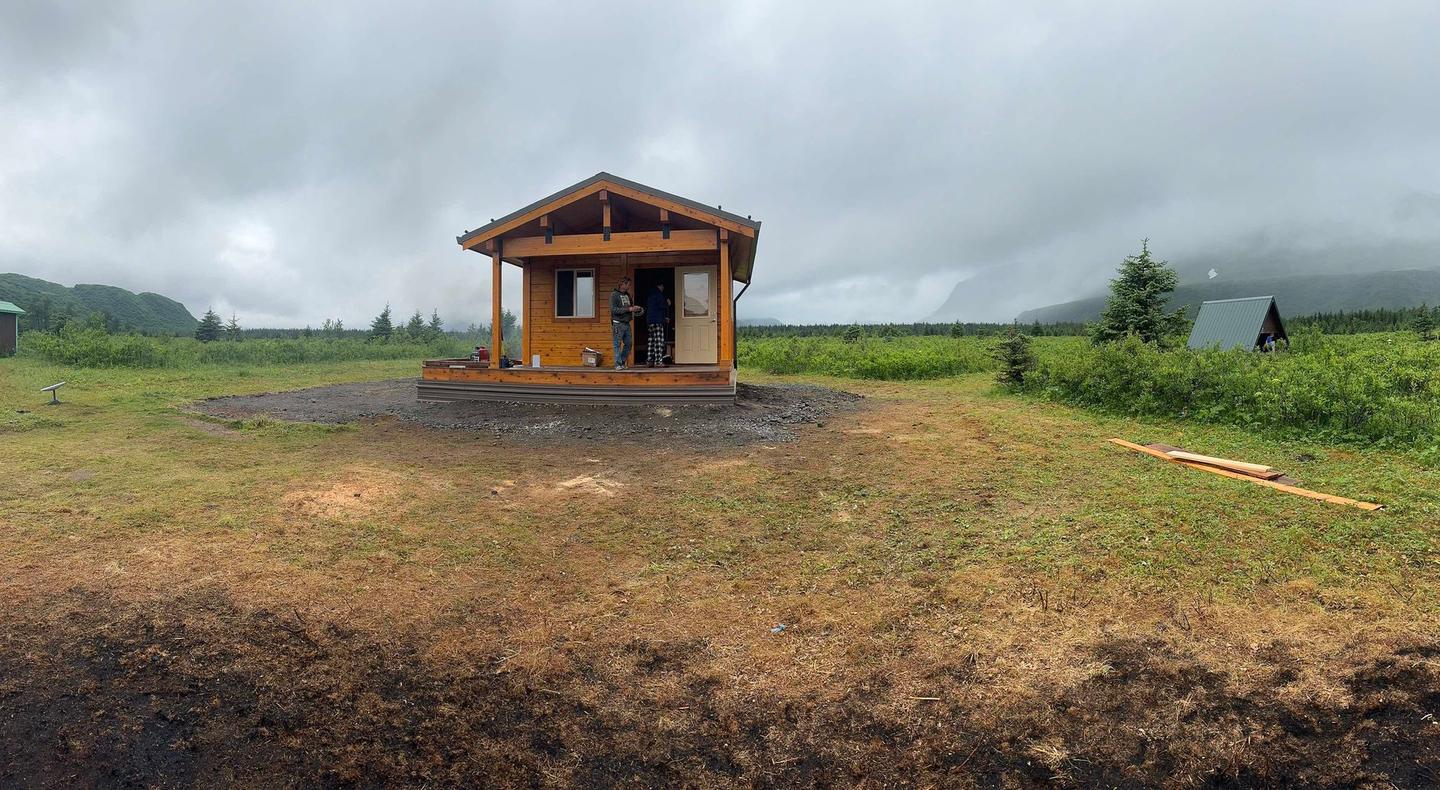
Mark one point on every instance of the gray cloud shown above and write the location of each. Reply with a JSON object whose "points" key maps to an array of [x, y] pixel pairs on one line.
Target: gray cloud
{"points": [[292, 162]]}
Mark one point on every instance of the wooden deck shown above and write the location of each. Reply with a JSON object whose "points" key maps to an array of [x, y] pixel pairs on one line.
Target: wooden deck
{"points": [[561, 384]]}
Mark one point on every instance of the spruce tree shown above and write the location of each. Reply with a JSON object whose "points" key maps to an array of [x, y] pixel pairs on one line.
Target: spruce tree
{"points": [[380, 328], [436, 328], [232, 329], [415, 327], [1137, 301], [1016, 358], [1424, 323], [209, 327]]}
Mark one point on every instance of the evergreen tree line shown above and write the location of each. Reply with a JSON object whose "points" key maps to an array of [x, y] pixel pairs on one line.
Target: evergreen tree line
{"points": [[916, 329], [383, 329], [42, 315], [1421, 320]]}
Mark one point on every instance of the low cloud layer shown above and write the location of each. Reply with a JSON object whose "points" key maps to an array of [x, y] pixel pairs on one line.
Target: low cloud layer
{"points": [[291, 162]]}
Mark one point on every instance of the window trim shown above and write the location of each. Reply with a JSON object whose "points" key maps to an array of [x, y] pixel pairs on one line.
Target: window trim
{"points": [[595, 297]]}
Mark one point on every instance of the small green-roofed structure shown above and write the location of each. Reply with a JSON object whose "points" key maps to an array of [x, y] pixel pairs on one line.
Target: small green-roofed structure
{"points": [[1237, 323], [9, 328]]}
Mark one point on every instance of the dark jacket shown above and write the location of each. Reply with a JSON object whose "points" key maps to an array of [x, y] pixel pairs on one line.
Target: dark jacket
{"points": [[657, 307], [620, 306]]}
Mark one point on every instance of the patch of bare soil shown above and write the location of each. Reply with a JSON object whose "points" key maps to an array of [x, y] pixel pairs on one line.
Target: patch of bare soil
{"points": [[199, 692], [769, 413]]}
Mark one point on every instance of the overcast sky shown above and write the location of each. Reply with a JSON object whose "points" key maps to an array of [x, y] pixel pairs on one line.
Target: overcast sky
{"points": [[291, 161]]}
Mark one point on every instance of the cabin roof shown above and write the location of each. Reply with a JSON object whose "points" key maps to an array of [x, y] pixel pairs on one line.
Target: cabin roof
{"points": [[7, 307], [744, 231], [1233, 323]]}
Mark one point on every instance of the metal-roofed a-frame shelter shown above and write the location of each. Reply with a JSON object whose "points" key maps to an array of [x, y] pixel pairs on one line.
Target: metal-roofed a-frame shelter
{"points": [[1237, 323]]}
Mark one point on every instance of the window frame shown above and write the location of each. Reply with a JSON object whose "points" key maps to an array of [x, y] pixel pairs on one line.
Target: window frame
{"points": [[574, 300]]}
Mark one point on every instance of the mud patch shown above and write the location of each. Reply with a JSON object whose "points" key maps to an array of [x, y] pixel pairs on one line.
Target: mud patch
{"points": [[760, 414], [197, 691]]}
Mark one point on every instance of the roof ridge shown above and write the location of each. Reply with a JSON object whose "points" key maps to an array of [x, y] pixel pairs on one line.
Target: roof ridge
{"points": [[1238, 299], [619, 181]]}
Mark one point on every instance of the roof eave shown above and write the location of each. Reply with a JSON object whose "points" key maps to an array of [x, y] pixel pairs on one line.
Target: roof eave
{"points": [[464, 239]]}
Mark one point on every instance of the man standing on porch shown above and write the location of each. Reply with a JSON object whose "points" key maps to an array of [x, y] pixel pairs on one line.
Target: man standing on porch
{"points": [[622, 309], [657, 309]]}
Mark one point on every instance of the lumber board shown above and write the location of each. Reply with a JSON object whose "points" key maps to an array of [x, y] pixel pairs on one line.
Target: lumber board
{"points": [[1243, 467], [1282, 478], [1215, 470]]}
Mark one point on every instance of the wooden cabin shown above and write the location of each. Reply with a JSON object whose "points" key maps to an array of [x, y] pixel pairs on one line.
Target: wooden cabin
{"points": [[571, 249]]}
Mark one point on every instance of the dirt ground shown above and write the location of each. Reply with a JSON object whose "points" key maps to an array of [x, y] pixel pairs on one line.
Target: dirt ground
{"points": [[761, 413], [201, 693], [933, 587]]}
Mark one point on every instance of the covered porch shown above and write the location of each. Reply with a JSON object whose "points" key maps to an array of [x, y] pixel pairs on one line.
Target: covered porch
{"points": [[454, 380]]}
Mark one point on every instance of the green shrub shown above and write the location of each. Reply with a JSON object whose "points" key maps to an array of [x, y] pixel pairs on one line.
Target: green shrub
{"points": [[94, 348], [1372, 389], [890, 358]]}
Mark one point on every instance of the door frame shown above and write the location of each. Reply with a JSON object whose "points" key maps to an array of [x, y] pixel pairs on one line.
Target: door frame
{"points": [[682, 322]]}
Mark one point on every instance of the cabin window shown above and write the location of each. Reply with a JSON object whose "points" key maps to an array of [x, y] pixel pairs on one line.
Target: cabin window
{"points": [[575, 293]]}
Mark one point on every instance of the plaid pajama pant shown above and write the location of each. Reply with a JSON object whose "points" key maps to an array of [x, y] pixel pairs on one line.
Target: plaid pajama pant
{"points": [[655, 346]]}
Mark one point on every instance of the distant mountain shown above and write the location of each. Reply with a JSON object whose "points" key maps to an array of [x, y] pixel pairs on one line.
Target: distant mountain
{"points": [[996, 292], [144, 312], [758, 322], [1296, 294]]}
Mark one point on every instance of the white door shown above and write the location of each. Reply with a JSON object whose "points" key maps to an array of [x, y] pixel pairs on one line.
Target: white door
{"points": [[697, 328]]}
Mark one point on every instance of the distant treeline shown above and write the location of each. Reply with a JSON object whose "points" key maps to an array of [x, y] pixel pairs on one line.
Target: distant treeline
{"points": [[917, 329], [1352, 322], [1358, 322]]}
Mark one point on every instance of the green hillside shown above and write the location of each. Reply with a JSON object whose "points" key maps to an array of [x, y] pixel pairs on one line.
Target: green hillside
{"points": [[1296, 294], [146, 312]]}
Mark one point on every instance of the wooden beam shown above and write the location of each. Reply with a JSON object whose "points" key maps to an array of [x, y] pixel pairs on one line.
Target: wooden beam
{"points": [[605, 214], [608, 187], [526, 344], [1215, 470], [664, 223], [496, 327], [727, 309], [681, 209], [595, 243]]}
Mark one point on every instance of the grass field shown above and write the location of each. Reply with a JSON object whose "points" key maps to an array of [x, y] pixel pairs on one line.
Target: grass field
{"points": [[976, 590]]}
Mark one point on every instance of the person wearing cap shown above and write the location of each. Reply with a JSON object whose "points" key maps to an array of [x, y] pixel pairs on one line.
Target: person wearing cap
{"points": [[622, 310]]}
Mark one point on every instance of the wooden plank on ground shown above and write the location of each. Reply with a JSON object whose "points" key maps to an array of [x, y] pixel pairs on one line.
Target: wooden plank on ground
{"points": [[1244, 468], [1215, 470]]}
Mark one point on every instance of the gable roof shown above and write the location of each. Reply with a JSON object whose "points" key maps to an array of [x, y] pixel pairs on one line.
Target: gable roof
{"points": [[1233, 323], [745, 232], [7, 307]]}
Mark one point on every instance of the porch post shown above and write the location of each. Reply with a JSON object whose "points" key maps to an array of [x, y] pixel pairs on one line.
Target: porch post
{"points": [[496, 329], [727, 318]]}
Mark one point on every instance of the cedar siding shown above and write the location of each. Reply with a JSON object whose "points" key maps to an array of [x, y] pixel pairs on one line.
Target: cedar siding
{"points": [[559, 341]]}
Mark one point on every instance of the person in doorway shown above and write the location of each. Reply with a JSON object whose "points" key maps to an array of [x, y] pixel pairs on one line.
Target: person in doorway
{"points": [[622, 310], [657, 310]]}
